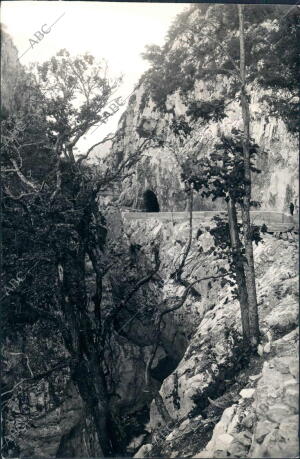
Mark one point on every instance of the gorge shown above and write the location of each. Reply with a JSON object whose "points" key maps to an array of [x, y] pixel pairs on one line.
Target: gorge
{"points": [[126, 340]]}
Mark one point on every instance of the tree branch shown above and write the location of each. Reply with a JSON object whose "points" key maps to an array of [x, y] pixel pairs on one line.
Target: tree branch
{"points": [[106, 139], [21, 176]]}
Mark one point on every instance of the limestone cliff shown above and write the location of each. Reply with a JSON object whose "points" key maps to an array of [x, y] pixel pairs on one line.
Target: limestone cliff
{"points": [[10, 70], [221, 401], [158, 169], [43, 413]]}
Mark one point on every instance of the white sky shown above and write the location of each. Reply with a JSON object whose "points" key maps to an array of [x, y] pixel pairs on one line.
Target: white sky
{"points": [[115, 31]]}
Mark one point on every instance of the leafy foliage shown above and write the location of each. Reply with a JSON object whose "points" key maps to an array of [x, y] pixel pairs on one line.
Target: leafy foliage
{"points": [[166, 76], [202, 44], [221, 173], [53, 226], [75, 90], [222, 249], [180, 127], [213, 110]]}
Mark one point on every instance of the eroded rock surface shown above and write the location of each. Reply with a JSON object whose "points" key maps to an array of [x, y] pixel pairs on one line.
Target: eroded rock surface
{"points": [[158, 170], [223, 403]]}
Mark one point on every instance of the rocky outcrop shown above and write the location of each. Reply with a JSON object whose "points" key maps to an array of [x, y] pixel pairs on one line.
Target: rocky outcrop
{"points": [[264, 422], [219, 397], [221, 401], [10, 70], [276, 402], [159, 170], [43, 414]]}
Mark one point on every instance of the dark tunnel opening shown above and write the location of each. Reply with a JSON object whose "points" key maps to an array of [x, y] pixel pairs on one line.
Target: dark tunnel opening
{"points": [[150, 202]]}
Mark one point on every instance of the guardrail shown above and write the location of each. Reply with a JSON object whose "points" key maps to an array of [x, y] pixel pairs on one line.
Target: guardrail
{"points": [[278, 221]]}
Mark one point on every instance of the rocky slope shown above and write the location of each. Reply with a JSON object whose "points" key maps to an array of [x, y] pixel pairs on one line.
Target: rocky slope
{"points": [[220, 401], [223, 403]]}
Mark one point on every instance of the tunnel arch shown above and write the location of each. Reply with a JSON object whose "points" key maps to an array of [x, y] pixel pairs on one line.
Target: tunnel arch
{"points": [[150, 201]]}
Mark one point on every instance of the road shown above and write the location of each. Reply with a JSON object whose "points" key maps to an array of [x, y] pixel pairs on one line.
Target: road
{"points": [[275, 221]]}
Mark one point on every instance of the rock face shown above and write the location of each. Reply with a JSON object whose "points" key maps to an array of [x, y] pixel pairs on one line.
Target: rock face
{"points": [[268, 425], [223, 402], [277, 401], [159, 170], [10, 69], [44, 416]]}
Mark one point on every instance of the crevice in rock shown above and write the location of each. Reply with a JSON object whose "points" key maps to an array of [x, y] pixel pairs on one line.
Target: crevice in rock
{"points": [[164, 368]]}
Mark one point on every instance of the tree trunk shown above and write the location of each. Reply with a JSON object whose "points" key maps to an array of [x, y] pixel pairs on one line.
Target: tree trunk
{"points": [[91, 385], [239, 268], [249, 266], [190, 206], [87, 373]]}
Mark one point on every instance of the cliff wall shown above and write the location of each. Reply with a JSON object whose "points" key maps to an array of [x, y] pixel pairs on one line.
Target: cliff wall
{"points": [[159, 171], [10, 70], [222, 402]]}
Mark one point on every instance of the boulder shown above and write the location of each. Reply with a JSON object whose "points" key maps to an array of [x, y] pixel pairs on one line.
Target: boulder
{"points": [[263, 428], [278, 412], [145, 449], [224, 441], [247, 393], [244, 438], [279, 443]]}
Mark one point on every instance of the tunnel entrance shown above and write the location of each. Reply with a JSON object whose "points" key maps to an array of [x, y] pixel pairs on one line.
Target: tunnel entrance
{"points": [[150, 202]]}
